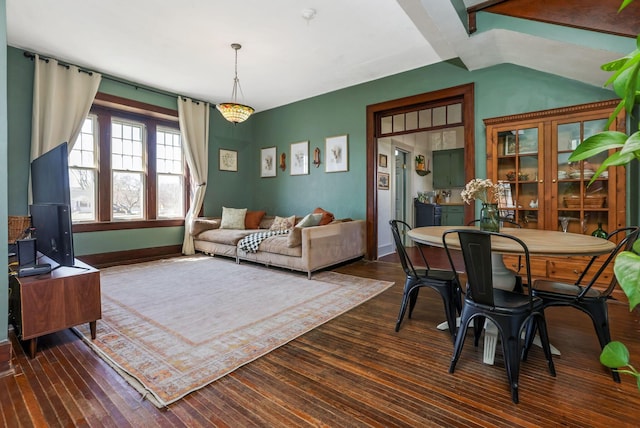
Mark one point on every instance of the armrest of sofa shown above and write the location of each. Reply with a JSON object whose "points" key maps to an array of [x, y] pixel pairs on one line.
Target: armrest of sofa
{"points": [[201, 224], [333, 243]]}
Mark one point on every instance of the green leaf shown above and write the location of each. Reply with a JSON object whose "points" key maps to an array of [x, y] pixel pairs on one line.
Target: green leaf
{"points": [[627, 270], [614, 355], [624, 4], [632, 144], [598, 143]]}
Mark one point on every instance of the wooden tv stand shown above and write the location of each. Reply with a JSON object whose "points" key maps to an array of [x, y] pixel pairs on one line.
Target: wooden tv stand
{"points": [[63, 298]]}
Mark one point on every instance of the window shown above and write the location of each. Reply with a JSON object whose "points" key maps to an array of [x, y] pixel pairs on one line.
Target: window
{"points": [[83, 171], [170, 175], [127, 168]]}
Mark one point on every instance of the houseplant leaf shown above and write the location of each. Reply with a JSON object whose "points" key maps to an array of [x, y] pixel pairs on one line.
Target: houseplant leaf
{"points": [[598, 143], [627, 270], [614, 355]]}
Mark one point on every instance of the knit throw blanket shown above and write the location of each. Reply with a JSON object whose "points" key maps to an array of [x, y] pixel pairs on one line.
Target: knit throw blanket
{"points": [[250, 243]]}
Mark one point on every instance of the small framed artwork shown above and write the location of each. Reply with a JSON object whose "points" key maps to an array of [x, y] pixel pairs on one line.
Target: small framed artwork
{"points": [[383, 181], [336, 154], [509, 145], [300, 158], [228, 160], [268, 162], [382, 161]]}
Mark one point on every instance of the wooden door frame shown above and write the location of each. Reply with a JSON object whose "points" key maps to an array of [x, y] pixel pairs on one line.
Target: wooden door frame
{"points": [[464, 93]]}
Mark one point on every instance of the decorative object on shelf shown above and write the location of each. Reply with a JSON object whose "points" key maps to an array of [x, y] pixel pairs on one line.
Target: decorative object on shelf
{"points": [[511, 176], [564, 223], [233, 111], [421, 168], [268, 162], [600, 232], [589, 201], [446, 194], [316, 157], [490, 218], [228, 160]]}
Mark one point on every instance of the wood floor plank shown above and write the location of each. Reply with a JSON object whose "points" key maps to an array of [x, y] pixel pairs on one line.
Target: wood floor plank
{"points": [[354, 370]]}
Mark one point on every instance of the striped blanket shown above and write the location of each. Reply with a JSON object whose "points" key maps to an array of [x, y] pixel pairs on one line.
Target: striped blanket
{"points": [[250, 243]]}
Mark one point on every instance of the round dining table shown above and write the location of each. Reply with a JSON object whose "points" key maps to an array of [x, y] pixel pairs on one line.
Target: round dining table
{"points": [[539, 242]]}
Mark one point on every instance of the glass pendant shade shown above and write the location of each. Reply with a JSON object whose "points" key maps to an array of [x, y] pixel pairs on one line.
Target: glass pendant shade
{"points": [[233, 111]]}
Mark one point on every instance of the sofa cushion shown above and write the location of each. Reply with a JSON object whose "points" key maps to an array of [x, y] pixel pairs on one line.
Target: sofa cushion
{"points": [[310, 220], [233, 218], [282, 223], [327, 217], [279, 245], [224, 236], [252, 219]]}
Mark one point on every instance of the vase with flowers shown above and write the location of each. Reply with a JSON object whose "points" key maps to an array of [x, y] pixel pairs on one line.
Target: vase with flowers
{"points": [[488, 194]]}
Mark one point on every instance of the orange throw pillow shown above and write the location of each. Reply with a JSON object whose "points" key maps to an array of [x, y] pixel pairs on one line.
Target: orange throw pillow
{"points": [[327, 217], [252, 219]]}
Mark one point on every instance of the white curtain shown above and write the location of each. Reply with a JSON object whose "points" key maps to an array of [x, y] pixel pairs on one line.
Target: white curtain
{"points": [[194, 126], [62, 98]]}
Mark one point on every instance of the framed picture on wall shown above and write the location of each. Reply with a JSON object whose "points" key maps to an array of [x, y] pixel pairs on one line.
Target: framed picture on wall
{"points": [[268, 162], [336, 155], [383, 181], [382, 161], [300, 158], [228, 160]]}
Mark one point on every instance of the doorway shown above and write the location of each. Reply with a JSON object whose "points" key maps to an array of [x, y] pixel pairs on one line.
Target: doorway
{"points": [[404, 108]]}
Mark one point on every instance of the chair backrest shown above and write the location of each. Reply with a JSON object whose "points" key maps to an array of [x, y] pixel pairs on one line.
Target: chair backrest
{"points": [[476, 253], [626, 237], [504, 221], [405, 260]]}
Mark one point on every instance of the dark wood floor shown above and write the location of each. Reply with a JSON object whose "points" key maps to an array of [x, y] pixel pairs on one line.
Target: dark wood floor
{"points": [[353, 371]]}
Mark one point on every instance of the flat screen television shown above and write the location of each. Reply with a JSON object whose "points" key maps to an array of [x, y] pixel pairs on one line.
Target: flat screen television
{"points": [[52, 229], [50, 177], [50, 211]]}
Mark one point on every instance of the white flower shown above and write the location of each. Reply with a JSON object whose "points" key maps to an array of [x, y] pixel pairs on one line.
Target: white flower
{"points": [[482, 189]]}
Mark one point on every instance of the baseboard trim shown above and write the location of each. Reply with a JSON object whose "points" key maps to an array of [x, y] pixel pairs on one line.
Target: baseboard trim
{"points": [[115, 258], [6, 369]]}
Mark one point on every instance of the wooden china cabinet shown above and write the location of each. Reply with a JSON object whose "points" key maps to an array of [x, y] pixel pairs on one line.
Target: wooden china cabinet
{"points": [[528, 154]]}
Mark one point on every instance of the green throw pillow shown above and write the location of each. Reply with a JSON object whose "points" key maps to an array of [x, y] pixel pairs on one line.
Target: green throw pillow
{"points": [[310, 220], [233, 218]]}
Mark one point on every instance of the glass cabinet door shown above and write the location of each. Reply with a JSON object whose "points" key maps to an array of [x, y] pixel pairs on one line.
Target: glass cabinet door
{"points": [[518, 171], [580, 206]]}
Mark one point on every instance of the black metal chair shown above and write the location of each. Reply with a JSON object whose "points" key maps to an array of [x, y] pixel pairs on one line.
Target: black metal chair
{"points": [[585, 297], [509, 222], [442, 281], [510, 311]]}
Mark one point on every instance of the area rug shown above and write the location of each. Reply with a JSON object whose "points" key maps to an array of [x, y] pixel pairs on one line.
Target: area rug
{"points": [[173, 326]]}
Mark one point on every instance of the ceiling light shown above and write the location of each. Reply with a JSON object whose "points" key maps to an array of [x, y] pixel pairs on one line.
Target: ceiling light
{"points": [[233, 111], [308, 14]]}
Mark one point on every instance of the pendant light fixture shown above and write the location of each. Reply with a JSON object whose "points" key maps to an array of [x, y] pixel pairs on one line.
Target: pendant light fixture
{"points": [[233, 111]]}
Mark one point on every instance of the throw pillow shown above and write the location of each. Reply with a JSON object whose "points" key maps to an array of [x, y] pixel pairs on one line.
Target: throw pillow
{"points": [[253, 218], [295, 237], [283, 223], [233, 218], [327, 217], [310, 220]]}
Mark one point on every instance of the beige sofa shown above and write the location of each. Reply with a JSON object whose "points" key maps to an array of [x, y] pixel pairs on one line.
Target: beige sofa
{"points": [[305, 249]]}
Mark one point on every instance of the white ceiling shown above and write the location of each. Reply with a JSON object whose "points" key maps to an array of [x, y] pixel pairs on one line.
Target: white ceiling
{"points": [[184, 46]]}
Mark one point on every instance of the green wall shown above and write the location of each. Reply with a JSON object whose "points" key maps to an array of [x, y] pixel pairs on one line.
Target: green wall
{"points": [[500, 90], [4, 283]]}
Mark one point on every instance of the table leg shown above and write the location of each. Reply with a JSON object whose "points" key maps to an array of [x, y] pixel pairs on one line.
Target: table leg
{"points": [[504, 279], [33, 347], [92, 328]]}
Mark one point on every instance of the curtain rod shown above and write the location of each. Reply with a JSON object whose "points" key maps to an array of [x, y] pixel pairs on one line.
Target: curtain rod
{"points": [[32, 55]]}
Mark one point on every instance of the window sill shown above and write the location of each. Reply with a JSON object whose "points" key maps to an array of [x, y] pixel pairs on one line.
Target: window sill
{"points": [[128, 224]]}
